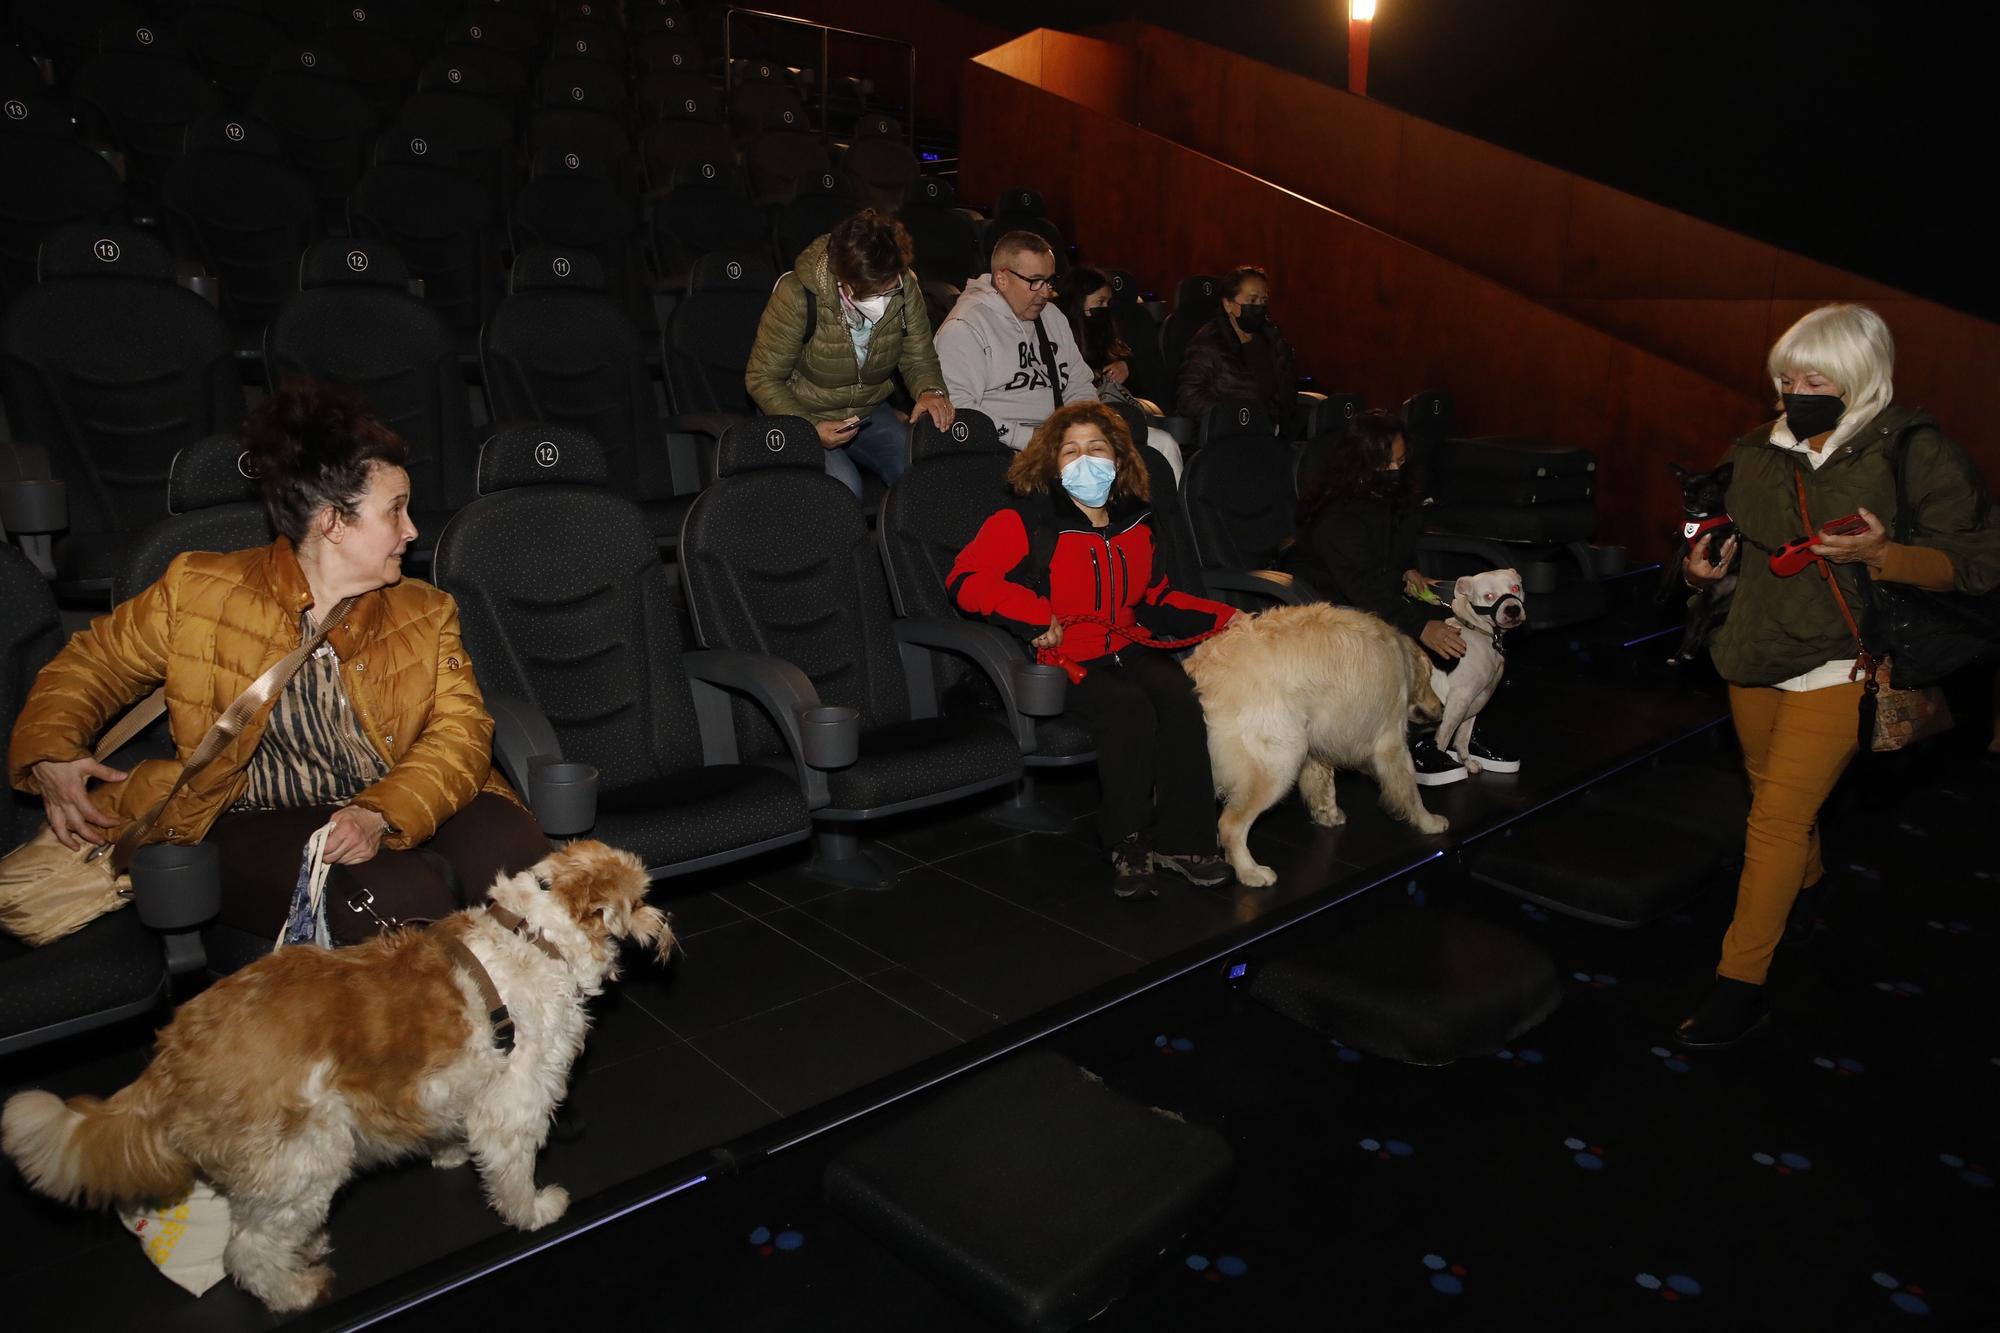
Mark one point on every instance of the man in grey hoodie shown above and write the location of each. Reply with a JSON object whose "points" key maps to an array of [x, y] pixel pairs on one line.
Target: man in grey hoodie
{"points": [[1006, 350]]}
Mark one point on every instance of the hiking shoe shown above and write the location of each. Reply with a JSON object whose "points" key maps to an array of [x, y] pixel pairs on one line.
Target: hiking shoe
{"points": [[1490, 760], [1132, 870], [1732, 1012], [1206, 872], [1434, 767]]}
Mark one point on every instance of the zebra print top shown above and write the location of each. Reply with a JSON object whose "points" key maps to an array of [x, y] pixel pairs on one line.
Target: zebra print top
{"points": [[313, 751]]}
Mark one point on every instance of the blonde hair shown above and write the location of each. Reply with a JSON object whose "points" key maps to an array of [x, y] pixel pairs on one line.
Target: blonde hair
{"points": [[1034, 468], [1850, 345]]}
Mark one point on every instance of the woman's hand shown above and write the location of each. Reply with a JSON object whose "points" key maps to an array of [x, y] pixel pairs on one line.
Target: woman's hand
{"points": [[65, 790], [1442, 637], [1051, 639], [356, 837], [1414, 583], [1117, 372], [1700, 572], [1864, 548], [937, 406]]}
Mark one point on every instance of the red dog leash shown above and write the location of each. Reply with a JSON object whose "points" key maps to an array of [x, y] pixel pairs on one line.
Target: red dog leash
{"points": [[1075, 672]]}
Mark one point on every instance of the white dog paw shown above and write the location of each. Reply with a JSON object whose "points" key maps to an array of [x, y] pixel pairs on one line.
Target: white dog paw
{"points": [[297, 1291], [1254, 876], [450, 1159], [1430, 823], [317, 1247], [1472, 766], [551, 1202]]}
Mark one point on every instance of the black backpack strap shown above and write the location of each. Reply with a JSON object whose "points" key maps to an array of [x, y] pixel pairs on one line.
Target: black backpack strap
{"points": [[1049, 359]]}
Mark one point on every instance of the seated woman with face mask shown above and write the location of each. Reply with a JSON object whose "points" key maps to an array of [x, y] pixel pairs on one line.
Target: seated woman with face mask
{"points": [[1077, 541]]}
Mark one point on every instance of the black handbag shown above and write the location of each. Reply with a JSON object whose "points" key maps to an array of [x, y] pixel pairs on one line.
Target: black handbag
{"points": [[1926, 636]]}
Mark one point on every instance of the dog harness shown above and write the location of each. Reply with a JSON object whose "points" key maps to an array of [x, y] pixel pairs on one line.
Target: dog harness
{"points": [[482, 980], [1695, 529]]}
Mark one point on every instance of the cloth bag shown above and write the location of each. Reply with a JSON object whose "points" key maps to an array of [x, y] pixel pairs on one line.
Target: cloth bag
{"points": [[48, 891]]}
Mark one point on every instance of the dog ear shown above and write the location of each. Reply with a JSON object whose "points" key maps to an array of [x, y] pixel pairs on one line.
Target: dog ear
{"points": [[1724, 473], [1462, 588], [1679, 471], [649, 926]]}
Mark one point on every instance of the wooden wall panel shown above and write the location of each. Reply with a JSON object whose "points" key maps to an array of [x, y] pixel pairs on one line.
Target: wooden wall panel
{"points": [[1697, 294], [1367, 311]]}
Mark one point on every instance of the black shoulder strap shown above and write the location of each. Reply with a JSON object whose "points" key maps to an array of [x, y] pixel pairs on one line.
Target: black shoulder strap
{"points": [[812, 313], [1049, 360]]}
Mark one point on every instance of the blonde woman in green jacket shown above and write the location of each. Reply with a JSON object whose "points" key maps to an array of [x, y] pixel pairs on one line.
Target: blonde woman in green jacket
{"points": [[868, 323]]}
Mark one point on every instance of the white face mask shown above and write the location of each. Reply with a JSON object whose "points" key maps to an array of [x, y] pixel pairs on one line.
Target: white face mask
{"points": [[873, 308]]}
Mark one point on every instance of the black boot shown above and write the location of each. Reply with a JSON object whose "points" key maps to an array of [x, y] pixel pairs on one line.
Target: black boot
{"points": [[1732, 1011]]}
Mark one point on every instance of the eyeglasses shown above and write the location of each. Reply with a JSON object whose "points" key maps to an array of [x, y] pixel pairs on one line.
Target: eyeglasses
{"points": [[1034, 284]]}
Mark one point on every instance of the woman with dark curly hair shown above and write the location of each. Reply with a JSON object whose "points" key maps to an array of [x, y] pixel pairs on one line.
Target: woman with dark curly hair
{"points": [[382, 732], [1077, 541]]}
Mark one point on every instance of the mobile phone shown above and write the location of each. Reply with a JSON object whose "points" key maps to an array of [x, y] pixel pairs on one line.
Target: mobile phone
{"points": [[1851, 526]]}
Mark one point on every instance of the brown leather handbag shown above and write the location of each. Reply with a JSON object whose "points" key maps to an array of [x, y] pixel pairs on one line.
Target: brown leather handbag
{"points": [[48, 891]]}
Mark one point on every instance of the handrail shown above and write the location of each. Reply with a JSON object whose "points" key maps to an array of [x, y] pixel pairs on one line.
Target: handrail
{"points": [[825, 83]]}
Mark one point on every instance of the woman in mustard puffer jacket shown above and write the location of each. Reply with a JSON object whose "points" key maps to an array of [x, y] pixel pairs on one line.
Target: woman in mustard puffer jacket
{"points": [[382, 732]]}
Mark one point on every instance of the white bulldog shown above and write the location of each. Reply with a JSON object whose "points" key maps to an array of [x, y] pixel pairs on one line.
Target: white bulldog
{"points": [[1484, 606]]}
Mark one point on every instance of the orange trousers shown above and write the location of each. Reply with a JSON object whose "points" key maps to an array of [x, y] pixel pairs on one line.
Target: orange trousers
{"points": [[1796, 744]]}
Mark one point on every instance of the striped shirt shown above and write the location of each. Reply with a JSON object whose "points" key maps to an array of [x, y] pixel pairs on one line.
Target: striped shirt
{"points": [[313, 751]]}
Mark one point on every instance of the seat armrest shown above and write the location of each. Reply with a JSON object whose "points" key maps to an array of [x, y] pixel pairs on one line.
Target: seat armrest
{"points": [[993, 650], [521, 735], [1271, 585], [779, 688]]}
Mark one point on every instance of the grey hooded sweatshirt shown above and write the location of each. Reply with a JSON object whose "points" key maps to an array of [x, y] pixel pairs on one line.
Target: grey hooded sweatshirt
{"points": [[993, 361]]}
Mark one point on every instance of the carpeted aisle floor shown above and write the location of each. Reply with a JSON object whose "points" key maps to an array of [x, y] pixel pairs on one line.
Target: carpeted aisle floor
{"points": [[1838, 1176]]}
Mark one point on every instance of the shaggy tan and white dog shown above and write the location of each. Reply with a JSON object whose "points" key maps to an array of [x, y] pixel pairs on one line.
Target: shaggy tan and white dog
{"points": [[280, 1082], [1297, 691]]}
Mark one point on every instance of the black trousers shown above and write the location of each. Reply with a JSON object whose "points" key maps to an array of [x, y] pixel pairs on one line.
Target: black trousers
{"points": [[1151, 739], [261, 850]]}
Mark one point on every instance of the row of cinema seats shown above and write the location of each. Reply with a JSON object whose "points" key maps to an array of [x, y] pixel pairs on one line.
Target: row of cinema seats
{"points": [[699, 715], [461, 144]]}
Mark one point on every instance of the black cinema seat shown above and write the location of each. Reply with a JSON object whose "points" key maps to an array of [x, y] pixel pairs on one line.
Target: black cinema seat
{"points": [[784, 153], [143, 96], [47, 179], [956, 479], [945, 239], [1196, 301], [1031, 1190], [1236, 502], [113, 369], [818, 204], [213, 504], [326, 122], [1021, 209], [777, 560], [1421, 986], [569, 615], [113, 968], [576, 201], [880, 163], [440, 220], [353, 322], [560, 350], [232, 202], [711, 331], [704, 211]]}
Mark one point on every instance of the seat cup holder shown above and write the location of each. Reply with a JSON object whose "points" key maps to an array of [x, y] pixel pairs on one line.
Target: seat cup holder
{"points": [[1039, 690], [830, 736], [177, 888], [563, 797], [32, 506]]}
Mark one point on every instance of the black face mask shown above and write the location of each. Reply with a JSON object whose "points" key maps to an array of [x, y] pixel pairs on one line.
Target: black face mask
{"points": [[1810, 414], [1250, 318]]}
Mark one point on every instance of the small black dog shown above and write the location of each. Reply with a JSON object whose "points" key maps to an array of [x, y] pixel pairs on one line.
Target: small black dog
{"points": [[1706, 522]]}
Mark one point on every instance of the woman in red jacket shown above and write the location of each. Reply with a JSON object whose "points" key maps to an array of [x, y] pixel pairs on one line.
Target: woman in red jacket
{"points": [[1078, 541]]}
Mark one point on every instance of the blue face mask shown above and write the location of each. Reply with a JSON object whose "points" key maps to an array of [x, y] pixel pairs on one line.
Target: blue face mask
{"points": [[1088, 479]]}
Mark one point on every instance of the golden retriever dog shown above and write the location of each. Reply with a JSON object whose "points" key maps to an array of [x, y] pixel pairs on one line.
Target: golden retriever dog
{"points": [[1297, 691], [280, 1082]]}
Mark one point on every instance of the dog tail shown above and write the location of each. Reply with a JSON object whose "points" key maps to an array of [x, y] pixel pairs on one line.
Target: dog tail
{"points": [[95, 1152]]}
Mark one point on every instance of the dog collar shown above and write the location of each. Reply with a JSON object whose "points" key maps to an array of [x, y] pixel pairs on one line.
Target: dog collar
{"points": [[482, 981]]}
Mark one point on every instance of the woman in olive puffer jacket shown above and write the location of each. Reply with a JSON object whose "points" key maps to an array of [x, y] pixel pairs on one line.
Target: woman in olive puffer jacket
{"points": [[869, 322], [1787, 649]]}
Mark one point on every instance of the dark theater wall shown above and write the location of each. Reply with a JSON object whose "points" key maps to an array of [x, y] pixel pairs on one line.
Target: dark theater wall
{"points": [[1856, 134]]}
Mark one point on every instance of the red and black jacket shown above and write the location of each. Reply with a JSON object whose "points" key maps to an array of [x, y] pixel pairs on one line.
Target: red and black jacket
{"points": [[1039, 559]]}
